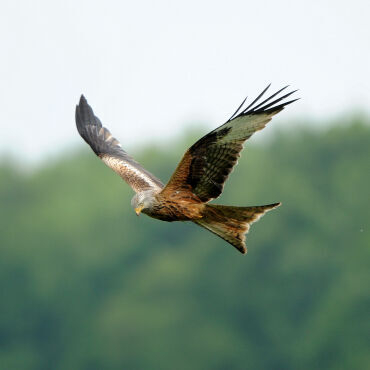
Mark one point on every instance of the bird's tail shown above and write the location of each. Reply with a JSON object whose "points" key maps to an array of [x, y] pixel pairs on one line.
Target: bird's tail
{"points": [[232, 223]]}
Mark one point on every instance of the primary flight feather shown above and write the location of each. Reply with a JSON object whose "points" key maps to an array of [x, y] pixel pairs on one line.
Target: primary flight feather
{"points": [[200, 175]]}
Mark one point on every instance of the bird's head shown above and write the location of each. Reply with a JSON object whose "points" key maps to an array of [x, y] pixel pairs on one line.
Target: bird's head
{"points": [[142, 201]]}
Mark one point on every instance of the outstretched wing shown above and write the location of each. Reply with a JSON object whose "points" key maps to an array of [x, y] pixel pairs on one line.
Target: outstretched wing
{"points": [[207, 164], [110, 151]]}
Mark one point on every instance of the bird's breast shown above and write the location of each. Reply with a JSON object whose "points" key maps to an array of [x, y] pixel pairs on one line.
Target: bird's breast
{"points": [[180, 210]]}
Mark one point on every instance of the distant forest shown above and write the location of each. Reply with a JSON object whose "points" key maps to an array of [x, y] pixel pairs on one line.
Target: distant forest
{"points": [[86, 284]]}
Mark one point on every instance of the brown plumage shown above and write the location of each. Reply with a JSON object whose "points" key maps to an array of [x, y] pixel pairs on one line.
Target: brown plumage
{"points": [[198, 178]]}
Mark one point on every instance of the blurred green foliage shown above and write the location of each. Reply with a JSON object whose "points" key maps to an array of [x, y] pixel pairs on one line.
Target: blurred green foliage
{"points": [[86, 284]]}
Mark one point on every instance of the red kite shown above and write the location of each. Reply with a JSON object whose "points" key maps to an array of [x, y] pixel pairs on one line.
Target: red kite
{"points": [[200, 175]]}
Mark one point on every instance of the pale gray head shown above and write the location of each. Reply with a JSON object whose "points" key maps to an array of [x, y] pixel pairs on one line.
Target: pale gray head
{"points": [[143, 200]]}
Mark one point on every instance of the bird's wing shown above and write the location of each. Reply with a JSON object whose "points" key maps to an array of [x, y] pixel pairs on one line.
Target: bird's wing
{"points": [[110, 151], [207, 164]]}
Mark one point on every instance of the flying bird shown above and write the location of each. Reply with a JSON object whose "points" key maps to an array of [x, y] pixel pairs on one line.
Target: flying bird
{"points": [[199, 177]]}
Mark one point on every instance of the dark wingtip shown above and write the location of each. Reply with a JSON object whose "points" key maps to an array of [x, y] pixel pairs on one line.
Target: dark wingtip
{"points": [[271, 107], [280, 107], [292, 101], [83, 99], [266, 106], [84, 116], [246, 110], [237, 111]]}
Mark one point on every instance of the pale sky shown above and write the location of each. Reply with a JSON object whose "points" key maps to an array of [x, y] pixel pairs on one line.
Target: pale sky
{"points": [[151, 68]]}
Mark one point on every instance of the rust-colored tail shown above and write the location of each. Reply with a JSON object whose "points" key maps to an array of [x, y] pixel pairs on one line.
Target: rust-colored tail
{"points": [[232, 223]]}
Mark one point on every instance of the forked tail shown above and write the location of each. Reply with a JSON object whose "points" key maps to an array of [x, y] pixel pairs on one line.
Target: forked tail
{"points": [[232, 223]]}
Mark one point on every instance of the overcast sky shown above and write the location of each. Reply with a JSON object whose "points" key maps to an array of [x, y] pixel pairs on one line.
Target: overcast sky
{"points": [[150, 68]]}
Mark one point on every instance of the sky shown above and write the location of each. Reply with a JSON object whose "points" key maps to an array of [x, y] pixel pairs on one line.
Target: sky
{"points": [[152, 69]]}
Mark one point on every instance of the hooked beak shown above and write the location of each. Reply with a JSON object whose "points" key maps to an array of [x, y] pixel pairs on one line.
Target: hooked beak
{"points": [[138, 210]]}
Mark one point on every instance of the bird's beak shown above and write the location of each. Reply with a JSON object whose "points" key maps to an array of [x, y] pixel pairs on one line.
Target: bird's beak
{"points": [[138, 210]]}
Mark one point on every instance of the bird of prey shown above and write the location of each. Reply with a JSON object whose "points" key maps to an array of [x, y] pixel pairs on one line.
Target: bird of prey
{"points": [[200, 175]]}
